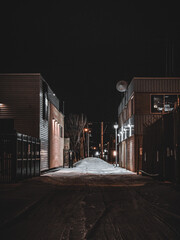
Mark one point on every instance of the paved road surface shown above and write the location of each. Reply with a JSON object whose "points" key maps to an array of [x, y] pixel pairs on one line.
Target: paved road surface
{"points": [[87, 206]]}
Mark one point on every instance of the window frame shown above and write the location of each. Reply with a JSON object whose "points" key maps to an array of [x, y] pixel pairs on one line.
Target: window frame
{"points": [[160, 94]]}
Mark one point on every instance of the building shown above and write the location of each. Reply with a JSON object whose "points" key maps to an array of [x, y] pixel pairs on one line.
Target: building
{"points": [[161, 147], [28, 103], [144, 102]]}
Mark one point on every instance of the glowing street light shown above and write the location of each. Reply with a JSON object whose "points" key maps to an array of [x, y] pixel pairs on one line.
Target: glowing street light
{"points": [[87, 131], [116, 127]]}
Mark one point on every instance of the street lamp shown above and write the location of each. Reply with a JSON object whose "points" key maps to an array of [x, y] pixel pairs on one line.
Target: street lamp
{"points": [[86, 130], [116, 127]]}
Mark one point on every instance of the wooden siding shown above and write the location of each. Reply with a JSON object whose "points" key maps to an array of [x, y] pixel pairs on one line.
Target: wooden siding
{"points": [[127, 154], [19, 95], [124, 153], [130, 163], [142, 103], [138, 144], [140, 121], [166, 85]]}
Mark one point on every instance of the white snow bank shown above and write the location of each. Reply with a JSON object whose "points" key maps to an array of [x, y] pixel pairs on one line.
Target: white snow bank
{"points": [[93, 166]]}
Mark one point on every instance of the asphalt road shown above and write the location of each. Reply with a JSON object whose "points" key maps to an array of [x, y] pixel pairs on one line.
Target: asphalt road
{"points": [[93, 207]]}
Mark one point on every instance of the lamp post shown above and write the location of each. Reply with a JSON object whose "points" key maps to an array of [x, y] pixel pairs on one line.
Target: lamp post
{"points": [[116, 127], [87, 139]]}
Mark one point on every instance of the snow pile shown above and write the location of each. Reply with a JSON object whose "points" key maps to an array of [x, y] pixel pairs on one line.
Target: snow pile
{"points": [[93, 166], [97, 166]]}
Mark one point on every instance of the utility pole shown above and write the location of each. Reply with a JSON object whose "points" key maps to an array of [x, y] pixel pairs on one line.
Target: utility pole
{"points": [[86, 130], [101, 139], [88, 143]]}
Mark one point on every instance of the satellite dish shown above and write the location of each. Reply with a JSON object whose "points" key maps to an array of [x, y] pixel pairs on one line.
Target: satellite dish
{"points": [[121, 86]]}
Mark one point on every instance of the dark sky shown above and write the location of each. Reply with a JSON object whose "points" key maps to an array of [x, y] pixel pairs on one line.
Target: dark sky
{"points": [[84, 49]]}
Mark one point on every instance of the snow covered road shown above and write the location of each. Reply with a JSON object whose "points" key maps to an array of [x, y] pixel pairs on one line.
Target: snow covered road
{"points": [[92, 165], [96, 201]]}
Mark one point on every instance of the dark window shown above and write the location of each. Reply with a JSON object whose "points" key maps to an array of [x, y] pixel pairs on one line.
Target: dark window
{"points": [[156, 103], [170, 101], [163, 103]]}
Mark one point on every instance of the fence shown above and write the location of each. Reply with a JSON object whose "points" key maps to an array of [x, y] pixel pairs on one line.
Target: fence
{"points": [[161, 147], [19, 157]]}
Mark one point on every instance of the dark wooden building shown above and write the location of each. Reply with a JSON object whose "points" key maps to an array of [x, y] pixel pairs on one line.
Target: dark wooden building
{"points": [[161, 147], [28, 103], [144, 102]]}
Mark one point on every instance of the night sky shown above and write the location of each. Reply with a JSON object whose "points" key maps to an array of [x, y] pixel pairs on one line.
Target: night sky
{"points": [[83, 49]]}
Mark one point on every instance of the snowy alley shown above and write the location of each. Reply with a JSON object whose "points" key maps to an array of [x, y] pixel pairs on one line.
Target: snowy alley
{"points": [[93, 200]]}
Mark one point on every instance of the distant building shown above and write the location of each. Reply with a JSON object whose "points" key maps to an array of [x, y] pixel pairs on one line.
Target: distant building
{"points": [[145, 101], [28, 103]]}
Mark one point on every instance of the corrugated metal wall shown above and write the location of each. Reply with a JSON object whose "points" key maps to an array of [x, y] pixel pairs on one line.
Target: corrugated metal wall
{"points": [[44, 133], [52, 98]]}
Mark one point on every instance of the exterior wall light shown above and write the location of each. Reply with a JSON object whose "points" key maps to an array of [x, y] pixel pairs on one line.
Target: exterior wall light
{"points": [[97, 153], [130, 129], [121, 135], [115, 153], [118, 137], [116, 127]]}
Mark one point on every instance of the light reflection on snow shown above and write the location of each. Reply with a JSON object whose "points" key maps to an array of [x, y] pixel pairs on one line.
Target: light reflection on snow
{"points": [[92, 166]]}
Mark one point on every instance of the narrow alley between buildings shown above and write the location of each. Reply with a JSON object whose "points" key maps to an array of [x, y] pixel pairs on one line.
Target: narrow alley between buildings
{"points": [[93, 200]]}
